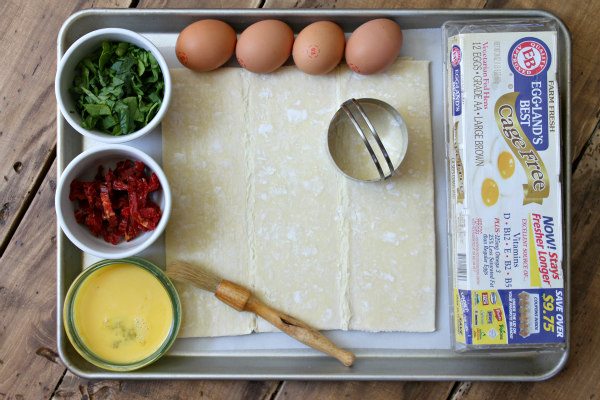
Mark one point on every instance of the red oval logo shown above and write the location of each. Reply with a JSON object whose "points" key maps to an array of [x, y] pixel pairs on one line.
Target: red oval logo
{"points": [[455, 56], [313, 51], [529, 58]]}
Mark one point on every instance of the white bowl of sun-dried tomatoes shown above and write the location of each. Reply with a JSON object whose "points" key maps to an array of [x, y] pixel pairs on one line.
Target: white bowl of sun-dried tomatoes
{"points": [[113, 201]]}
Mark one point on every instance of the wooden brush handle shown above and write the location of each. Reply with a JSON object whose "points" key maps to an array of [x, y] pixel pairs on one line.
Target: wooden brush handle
{"points": [[299, 330], [233, 295], [242, 299]]}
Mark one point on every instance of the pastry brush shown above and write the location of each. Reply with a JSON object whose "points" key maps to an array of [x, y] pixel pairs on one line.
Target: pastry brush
{"points": [[242, 299]]}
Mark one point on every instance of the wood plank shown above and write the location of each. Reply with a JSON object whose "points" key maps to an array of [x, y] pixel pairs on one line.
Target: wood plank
{"points": [[198, 4], [29, 365], [292, 390], [27, 103], [374, 4], [579, 380], [72, 387]]}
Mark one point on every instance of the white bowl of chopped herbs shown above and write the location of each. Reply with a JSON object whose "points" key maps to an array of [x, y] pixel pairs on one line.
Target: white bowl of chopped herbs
{"points": [[113, 85]]}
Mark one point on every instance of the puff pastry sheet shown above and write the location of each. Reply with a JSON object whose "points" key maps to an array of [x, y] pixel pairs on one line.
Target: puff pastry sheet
{"points": [[257, 200]]}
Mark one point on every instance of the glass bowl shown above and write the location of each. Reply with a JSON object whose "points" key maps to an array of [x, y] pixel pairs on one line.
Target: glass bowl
{"points": [[78, 342]]}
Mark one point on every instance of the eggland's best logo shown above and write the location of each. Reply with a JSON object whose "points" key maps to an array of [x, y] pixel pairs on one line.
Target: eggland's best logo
{"points": [[529, 57], [455, 56]]}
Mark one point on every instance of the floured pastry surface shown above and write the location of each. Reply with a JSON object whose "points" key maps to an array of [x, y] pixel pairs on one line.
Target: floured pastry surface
{"points": [[204, 162], [294, 203], [257, 200], [392, 241]]}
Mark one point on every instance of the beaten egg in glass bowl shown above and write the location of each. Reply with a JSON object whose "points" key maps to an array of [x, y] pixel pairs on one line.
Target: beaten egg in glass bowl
{"points": [[122, 315]]}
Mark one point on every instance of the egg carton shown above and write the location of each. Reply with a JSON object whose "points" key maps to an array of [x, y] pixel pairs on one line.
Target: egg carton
{"points": [[504, 136]]}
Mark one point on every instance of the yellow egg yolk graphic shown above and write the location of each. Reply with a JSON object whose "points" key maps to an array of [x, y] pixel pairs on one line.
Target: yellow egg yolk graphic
{"points": [[506, 164], [489, 192]]}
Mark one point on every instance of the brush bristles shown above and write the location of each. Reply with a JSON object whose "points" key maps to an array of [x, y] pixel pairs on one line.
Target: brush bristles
{"points": [[184, 272]]}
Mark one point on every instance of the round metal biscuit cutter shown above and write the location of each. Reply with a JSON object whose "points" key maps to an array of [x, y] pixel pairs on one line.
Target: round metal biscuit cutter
{"points": [[385, 162]]}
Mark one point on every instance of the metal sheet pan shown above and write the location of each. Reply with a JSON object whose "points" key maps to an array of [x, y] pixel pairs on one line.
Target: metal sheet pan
{"points": [[389, 361]]}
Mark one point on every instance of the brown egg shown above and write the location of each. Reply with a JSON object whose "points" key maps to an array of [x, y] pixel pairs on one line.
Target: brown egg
{"points": [[373, 46], [205, 45], [319, 47], [264, 46]]}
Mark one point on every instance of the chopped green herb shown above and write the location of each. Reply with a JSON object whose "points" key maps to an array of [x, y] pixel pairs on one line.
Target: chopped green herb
{"points": [[118, 89]]}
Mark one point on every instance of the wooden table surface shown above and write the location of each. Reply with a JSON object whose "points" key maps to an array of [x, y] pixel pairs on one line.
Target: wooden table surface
{"points": [[29, 365]]}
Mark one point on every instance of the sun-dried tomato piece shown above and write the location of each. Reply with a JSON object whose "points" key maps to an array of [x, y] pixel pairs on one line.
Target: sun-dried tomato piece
{"points": [[139, 168], [120, 200], [99, 174], [125, 213], [116, 204], [89, 190], [125, 169], [119, 185], [122, 228], [80, 215], [154, 183], [109, 178], [94, 222], [151, 216], [76, 191], [132, 230], [108, 213]]}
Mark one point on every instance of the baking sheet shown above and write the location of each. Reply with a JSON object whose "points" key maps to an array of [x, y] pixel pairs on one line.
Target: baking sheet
{"points": [[419, 44], [415, 356]]}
